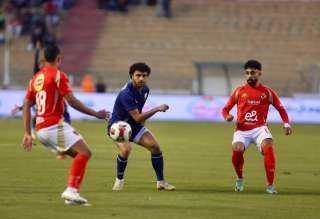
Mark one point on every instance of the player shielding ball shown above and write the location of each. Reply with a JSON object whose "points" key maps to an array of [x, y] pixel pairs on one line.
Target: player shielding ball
{"points": [[253, 100], [47, 89], [128, 107]]}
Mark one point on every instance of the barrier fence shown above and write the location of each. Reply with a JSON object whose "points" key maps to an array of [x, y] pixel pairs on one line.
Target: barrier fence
{"points": [[184, 108]]}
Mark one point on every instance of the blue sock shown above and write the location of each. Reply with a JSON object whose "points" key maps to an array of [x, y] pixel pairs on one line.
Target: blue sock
{"points": [[121, 166], [157, 163]]}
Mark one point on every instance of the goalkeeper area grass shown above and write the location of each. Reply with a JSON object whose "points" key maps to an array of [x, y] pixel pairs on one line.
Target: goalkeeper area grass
{"points": [[197, 161]]}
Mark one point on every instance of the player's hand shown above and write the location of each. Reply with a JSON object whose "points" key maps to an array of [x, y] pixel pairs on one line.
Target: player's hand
{"points": [[27, 142], [287, 130], [163, 108], [15, 110], [229, 118], [102, 114]]}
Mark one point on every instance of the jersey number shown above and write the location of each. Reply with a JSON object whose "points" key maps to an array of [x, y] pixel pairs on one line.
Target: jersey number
{"points": [[41, 102]]}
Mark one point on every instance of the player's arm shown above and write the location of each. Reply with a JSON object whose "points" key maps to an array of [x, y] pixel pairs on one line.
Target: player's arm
{"points": [[16, 109], [27, 138], [275, 101], [142, 117], [78, 105], [65, 91], [226, 109]]}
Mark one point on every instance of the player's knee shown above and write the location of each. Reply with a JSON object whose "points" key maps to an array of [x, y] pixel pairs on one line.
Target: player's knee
{"points": [[267, 143], [125, 152], [238, 147], [88, 153], [155, 149]]}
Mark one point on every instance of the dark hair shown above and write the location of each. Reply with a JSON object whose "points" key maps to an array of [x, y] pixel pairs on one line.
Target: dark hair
{"points": [[254, 64], [51, 52], [140, 66]]}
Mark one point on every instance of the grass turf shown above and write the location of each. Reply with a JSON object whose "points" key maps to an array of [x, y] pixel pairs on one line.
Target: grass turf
{"points": [[197, 162]]}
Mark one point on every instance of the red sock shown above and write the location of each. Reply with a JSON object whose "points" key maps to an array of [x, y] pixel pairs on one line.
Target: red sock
{"points": [[238, 161], [269, 163], [77, 170]]}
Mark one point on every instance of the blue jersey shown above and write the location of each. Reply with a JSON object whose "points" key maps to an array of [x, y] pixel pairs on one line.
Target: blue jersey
{"points": [[129, 98]]}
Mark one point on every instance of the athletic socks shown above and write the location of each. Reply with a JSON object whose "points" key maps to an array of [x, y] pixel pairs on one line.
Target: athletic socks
{"points": [[121, 166], [269, 164], [238, 161], [77, 170], [157, 163]]}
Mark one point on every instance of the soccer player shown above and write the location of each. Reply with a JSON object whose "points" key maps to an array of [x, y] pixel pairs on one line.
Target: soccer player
{"points": [[128, 107], [253, 100], [47, 89]]}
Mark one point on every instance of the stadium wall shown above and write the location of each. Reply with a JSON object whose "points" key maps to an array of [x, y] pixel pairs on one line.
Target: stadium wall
{"points": [[184, 108]]}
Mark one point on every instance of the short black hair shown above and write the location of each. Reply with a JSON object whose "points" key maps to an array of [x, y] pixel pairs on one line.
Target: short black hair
{"points": [[139, 66], [254, 64], [51, 52]]}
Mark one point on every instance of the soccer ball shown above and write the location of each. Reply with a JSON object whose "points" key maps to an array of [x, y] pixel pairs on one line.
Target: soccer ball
{"points": [[120, 131]]}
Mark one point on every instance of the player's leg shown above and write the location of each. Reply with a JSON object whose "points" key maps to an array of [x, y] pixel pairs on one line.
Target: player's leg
{"points": [[238, 149], [62, 138], [62, 155], [265, 144], [122, 160], [240, 142], [148, 141], [82, 154], [71, 142], [267, 150]]}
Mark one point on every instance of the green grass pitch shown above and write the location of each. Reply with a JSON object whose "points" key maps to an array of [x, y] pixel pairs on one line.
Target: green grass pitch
{"points": [[197, 162]]}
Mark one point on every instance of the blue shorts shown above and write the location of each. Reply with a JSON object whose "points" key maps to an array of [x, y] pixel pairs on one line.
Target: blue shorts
{"points": [[137, 132]]}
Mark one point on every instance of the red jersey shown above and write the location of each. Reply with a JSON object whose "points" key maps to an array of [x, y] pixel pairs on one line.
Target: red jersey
{"points": [[253, 106], [47, 89]]}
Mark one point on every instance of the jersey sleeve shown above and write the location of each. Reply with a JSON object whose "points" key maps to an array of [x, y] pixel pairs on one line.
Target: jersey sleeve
{"points": [[62, 82], [30, 95], [275, 101], [128, 102], [231, 102]]}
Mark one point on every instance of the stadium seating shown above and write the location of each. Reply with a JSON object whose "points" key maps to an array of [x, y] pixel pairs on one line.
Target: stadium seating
{"points": [[283, 36]]}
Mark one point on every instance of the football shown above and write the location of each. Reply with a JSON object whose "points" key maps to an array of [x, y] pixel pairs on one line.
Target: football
{"points": [[120, 131]]}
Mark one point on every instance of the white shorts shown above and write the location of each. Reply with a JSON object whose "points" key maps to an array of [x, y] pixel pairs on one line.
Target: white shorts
{"points": [[255, 136], [58, 138]]}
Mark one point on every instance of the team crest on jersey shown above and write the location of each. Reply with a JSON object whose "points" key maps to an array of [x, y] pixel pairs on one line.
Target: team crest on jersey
{"points": [[39, 82], [263, 96], [244, 95]]}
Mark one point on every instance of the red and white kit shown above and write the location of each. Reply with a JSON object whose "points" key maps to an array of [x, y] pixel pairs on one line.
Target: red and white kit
{"points": [[252, 111], [47, 89]]}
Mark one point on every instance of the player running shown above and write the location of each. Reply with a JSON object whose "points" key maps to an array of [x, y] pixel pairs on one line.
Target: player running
{"points": [[47, 89], [253, 100], [128, 107]]}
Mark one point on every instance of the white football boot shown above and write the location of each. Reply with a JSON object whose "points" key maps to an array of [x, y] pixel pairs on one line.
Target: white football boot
{"points": [[72, 195], [239, 187], [118, 185], [271, 190], [164, 185]]}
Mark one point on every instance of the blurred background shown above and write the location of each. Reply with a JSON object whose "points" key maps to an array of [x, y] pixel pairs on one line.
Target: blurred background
{"points": [[194, 47]]}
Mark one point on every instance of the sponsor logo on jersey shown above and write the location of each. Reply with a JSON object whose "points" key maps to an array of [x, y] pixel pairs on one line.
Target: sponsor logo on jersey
{"points": [[39, 82], [251, 116], [263, 96], [254, 102], [244, 95]]}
